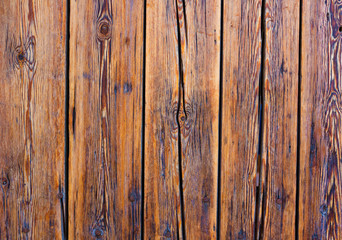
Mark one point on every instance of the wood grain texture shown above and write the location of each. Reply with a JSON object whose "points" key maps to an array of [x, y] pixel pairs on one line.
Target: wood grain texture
{"points": [[240, 118], [279, 149], [106, 63], [320, 135], [32, 110], [199, 23], [182, 103], [162, 210]]}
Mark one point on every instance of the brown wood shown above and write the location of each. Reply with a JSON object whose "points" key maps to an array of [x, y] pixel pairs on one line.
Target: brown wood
{"points": [[240, 118], [320, 152], [182, 103], [118, 132], [279, 146], [106, 63], [162, 210], [32, 110]]}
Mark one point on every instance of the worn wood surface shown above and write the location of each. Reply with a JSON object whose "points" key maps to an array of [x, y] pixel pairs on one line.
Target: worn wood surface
{"points": [[32, 110], [182, 103], [240, 118], [279, 145], [162, 210], [175, 119], [106, 63], [320, 125]]}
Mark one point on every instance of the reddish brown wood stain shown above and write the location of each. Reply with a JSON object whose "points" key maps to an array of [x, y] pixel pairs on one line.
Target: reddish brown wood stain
{"points": [[174, 119]]}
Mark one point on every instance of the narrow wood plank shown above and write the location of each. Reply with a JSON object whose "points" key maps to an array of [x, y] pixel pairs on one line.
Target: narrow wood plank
{"points": [[240, 118], [320, 152], [106, 64], [182, 104], [162, 210], [279, 151], [32, 110], [199, 23]]}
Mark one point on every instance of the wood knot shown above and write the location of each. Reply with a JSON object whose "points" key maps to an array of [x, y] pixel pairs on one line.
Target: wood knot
{"points": [[21, 57], [323, 209], [242, 234], [4, 181], [98, 232], [104, 30], [279, 201], [26, 229], [132, 197], [314, 237], [167, 233], [206, 200], [60, 195]]}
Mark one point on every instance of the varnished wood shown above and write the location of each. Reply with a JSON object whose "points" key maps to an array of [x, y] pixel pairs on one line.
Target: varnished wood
{"points": [[279, 146], [182, 103], [320, 153], [240, 118], [32, 110], [106, 69]]}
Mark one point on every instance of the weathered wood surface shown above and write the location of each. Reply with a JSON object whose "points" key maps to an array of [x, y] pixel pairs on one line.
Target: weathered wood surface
{"points": [[320, 126], [240, 118], [182, 103], [185, 119], [279, 144], [32, 119], [106, 63]]}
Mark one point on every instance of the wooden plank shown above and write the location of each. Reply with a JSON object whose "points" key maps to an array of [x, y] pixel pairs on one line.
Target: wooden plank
{"points": [[182, 104], [162, 210], [240, 118], [279, 149], [106, 64], [32, 110], [320, 123]]}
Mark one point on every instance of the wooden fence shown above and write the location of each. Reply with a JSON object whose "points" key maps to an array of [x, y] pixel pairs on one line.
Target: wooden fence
{"points": [[170, 119]]}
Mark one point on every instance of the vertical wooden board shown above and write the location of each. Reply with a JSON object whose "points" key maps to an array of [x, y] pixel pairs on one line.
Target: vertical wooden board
{"points": [[32, 110], [199, 24], [320, 152], [106, 63], [279, 153], [162, 210], [182, 103], [240, 118]]}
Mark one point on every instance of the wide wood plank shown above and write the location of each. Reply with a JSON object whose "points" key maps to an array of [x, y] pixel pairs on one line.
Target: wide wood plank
{"points": [[106, 65], [279, 146], [240, 118], [182, 104], [32, 122], [320, 124]]}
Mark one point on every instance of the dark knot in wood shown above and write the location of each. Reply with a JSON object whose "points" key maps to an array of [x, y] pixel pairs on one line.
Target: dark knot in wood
{"points": [[167, 233], [104, 30], [98, 232], [4, 181]]}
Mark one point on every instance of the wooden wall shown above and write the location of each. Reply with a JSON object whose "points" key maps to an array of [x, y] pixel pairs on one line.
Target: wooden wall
{"points": [[173, 119]]}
